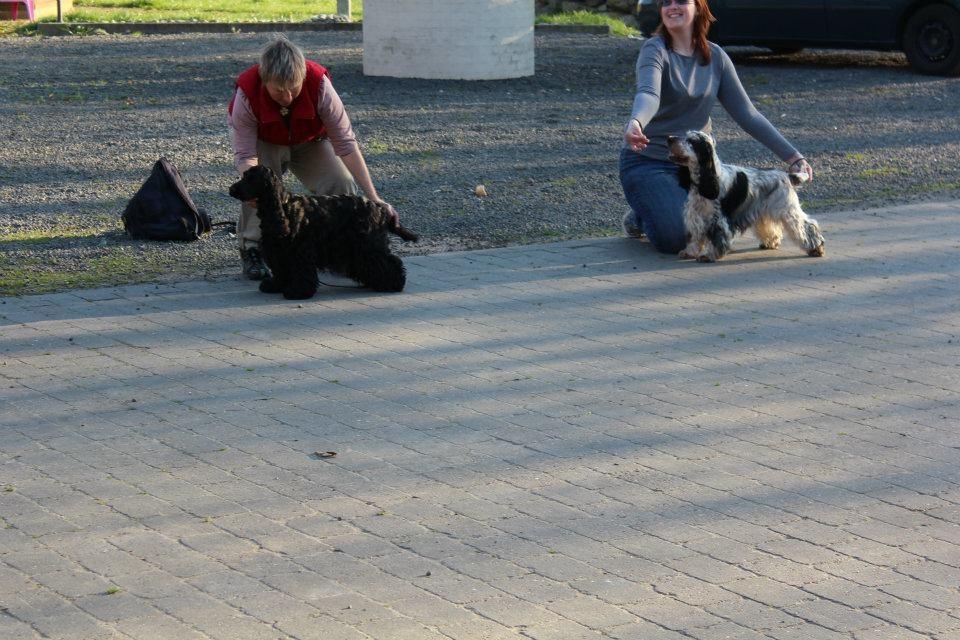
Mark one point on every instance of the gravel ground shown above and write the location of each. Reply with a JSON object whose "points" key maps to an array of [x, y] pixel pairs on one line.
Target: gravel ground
{"points": [[86, 117]]}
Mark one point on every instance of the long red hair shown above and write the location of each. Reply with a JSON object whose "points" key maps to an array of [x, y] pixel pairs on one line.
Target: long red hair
{"points": [[701, 25]]}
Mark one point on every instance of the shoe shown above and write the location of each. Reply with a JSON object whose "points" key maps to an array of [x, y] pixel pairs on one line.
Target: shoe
{"points": [[630, 229], [253, 267], [336, 279]]}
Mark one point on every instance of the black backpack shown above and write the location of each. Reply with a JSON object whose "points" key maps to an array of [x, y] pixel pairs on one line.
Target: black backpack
{"points": [[162, 208]]}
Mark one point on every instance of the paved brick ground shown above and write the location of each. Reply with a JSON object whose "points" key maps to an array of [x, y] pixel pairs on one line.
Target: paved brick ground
{"points": [[576, 440]]}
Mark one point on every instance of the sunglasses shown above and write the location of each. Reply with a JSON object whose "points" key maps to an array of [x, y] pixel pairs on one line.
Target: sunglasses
{"points": [[669, 3]]}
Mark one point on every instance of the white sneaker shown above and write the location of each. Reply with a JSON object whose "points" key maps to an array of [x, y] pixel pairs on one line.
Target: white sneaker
{"points": [[629, 228], [336, 279]]}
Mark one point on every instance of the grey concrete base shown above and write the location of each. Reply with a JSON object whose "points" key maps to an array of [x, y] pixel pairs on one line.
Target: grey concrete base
{"points": [[575, 440]]}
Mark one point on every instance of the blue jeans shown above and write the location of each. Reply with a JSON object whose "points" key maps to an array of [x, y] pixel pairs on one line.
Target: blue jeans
{"points": [[654, 194]]}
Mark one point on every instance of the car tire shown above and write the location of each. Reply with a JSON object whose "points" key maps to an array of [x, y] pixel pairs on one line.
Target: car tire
{"points": [[931, 40]]}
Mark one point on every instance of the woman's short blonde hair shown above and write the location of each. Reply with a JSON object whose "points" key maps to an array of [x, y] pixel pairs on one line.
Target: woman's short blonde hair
{"points": [[282, 62]]}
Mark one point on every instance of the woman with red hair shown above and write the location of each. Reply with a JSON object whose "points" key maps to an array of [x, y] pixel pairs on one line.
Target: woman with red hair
{"points": [[680, 76]]}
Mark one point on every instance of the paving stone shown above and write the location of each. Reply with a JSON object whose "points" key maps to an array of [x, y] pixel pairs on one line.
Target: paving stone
{"points": [[914, 617], [271, 606], [434, 611], [728, 630], [890, 633], [643, 631], [227, 585], [55, 617], [562, 630], [157, 625], [928, 595], [319, 627], [768, 591], [591, 612], [848, 593], [13, 629], [754, 615], [152, 583], [304, 585], [672, 614], [834, 616], [112, 607], [692, 591]]}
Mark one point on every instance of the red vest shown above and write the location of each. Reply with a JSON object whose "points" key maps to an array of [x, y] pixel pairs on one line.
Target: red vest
{"points": [[304, 123]]}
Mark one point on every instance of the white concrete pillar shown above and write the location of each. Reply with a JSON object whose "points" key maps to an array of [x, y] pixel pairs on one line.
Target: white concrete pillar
{"points": [[343, 8], [448, 39]]}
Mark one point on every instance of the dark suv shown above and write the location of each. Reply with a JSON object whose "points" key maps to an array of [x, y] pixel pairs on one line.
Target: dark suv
{"points": [[928, 31]]}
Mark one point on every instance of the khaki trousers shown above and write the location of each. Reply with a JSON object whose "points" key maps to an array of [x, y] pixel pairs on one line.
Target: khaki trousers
{"points": [[314, 164]]}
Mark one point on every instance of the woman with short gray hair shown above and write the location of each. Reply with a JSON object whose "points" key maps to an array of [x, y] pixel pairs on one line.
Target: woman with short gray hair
{"points": [[285, 114]]}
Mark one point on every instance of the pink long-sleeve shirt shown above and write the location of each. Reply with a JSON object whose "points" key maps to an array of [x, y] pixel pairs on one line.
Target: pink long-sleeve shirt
{"points": [[243, 126]]}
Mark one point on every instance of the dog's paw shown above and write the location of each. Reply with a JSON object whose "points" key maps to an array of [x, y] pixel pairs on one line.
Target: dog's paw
{"points": [[769, 246], [269, 285], [705, 258], [817, 252]]}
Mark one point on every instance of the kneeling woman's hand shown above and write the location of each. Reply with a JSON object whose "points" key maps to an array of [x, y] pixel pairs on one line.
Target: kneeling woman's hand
{"points": [[801, 166], [390, 210], [633, 136]]}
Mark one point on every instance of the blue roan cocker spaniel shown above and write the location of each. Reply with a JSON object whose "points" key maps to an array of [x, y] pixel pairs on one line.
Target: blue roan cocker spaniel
{"points": [[726, 199]]}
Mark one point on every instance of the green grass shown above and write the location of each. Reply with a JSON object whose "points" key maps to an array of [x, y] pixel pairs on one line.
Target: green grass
{"points": [[47, 235], [750, 79], [879, 172], [191, 11], [892, 193], [617, 27], [119, 266], [251, 11], [16, 28], [374, 147], [568, 181], [205, 10]]}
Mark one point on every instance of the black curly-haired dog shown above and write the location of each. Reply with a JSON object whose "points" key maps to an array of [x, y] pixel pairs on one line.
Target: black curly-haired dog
{"points": [[301, 234]]}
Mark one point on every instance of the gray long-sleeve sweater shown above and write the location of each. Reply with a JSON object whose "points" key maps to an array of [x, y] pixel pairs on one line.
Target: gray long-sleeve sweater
{"points": [[676, 94]]}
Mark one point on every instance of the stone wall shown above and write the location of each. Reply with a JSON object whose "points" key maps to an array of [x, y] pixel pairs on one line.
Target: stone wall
{"points": [[623, 9], [448, 39]]}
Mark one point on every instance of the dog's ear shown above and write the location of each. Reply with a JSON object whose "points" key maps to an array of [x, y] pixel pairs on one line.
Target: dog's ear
{"points": [[709, 185], [683, 177], [273, 183], [708, 180]]}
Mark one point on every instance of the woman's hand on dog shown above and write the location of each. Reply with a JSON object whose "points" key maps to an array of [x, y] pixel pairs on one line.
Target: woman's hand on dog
{"points": [[390, 211], [801, 166], [633, 136]]}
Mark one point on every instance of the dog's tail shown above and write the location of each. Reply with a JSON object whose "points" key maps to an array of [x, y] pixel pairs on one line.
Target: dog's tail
{"points": [[405, 234]]}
